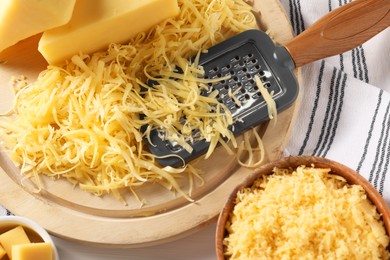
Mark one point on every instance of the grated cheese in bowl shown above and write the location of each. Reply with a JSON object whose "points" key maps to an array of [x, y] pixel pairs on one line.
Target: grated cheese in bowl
{"points": [[304, 213]]}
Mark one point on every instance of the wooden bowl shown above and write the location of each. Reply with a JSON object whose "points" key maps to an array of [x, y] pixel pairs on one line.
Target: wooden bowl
{"points": [[350, 175]]}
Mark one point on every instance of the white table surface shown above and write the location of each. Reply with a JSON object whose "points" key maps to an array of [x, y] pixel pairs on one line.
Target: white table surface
{"points": [[199, 245]]}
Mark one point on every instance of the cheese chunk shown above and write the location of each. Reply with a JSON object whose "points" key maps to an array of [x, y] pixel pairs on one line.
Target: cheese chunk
{"points": [[33, 251], [13, 237], [97, 23], [2, 252], [20, 19]]}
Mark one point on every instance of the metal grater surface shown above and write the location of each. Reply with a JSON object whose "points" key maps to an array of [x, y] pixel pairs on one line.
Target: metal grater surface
{"points": [[241, 59], [242, 70]]}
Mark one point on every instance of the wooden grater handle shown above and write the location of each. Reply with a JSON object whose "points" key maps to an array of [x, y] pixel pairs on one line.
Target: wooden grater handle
{"points": [[340, 30]]}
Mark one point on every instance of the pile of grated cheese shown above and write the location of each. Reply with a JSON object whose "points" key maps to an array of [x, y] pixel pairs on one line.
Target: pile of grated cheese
{"points": [[305, 213], [82, 121]]}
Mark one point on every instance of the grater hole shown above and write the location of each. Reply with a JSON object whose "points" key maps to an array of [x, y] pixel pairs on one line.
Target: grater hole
{"points": [[262, 73], [232, 72], [257, 95], [258, 67], [228, 66], [244, 69], [250, 55], [241, 63], [237, 58], [235, 79], [267, 85], [254, 61]]}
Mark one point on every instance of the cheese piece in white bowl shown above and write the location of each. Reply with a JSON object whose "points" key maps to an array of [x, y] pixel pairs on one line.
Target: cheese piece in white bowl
{"points": [[2, 252], [32, 251], [20, 19], [15, 236], [97, 23], [26, 238]]}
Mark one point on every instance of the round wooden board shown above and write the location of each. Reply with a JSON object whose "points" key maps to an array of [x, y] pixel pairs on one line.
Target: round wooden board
{"points": [[70, 213]]}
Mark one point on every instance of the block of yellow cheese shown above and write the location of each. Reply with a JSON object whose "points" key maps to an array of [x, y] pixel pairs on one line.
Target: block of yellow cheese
{"points": [[13, 237], [97, 23], [2, 252], [33, 251], [20, 19]]}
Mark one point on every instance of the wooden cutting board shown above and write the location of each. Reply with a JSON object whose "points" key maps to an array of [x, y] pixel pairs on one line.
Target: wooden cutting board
{"points": [[70, 213]]}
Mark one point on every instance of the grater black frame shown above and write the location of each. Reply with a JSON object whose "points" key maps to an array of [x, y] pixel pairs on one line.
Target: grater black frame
{"points": [[243, 56]]}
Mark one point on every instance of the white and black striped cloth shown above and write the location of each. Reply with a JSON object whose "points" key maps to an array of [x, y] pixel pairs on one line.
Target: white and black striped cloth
{"points": [[345, 109]]}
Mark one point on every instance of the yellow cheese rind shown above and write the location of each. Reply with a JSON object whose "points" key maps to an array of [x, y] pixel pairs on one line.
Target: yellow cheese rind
{"points": [[20, 19], [13, 237], [96, 24], [33, 251]]}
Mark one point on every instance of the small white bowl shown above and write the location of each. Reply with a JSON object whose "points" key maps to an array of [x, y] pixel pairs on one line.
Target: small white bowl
{"points": [[9, 222]]}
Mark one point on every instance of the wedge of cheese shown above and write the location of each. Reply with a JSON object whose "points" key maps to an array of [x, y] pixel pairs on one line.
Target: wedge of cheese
{"points": [[97, 23], [20, 19]]}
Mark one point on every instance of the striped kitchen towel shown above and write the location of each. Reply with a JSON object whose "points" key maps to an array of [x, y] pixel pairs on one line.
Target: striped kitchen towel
{"points": [[345, 109]]}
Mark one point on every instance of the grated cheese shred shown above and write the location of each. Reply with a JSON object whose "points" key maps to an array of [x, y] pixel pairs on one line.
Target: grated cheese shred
{"points": [[305, 213], [270, 102], [82, 121]]}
